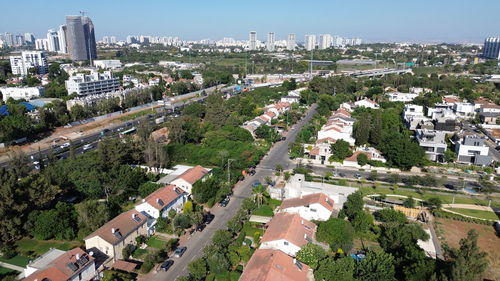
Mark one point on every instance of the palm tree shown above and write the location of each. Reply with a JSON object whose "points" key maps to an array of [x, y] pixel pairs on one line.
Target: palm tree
{"points": [[260, 193]]}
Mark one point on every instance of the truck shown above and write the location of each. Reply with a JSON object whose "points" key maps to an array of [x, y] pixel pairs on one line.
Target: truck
{"points": [[160, 120]]}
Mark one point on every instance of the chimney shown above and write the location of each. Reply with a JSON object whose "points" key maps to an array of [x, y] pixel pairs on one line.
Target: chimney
{"points": [[134, 216], [158, 200], [143, 200], [113, 230], [294, 261], [77, 256], [302, 222]]}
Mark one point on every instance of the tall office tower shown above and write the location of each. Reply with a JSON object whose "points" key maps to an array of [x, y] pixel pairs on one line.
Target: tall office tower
{"points": [[310, 42], [290, 42], [325, 41], [9, 39], [252, 43], [105, 40], [63, 45], [491, 48], [270, 41], [53, 40], [19, 39], [20, 65], [29, 38], [113, 40], [80, 38]]}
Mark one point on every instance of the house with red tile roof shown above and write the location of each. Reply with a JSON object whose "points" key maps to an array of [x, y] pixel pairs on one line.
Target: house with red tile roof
{"points": [[160, 202], [366, 102], [57, 265], [273, 265], [288, 233], [315, 206], [370, 152], [186, 180], [112, 237]]}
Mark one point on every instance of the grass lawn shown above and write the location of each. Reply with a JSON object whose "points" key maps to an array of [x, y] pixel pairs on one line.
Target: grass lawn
{"points": [[156, 242], [136, 114], [140, 253], [250, 230], [38, 247], [4, 272], [476, 213], [274, 203], [17, 260], [264, 210]]}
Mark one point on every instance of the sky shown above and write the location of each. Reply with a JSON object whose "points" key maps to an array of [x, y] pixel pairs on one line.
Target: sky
{"points": [[372, 20]]}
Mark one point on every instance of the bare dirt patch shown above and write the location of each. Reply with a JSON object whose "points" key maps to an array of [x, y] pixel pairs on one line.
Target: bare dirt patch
{"points": [[451, 231]]}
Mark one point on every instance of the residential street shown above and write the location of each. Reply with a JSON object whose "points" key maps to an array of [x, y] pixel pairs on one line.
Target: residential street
{"points": [[277, 155]]}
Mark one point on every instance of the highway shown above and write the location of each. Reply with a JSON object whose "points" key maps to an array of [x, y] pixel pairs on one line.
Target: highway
{"points": [[278, 154]]}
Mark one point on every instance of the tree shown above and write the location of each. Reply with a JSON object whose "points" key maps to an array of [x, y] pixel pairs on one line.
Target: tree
{"points": [[91, 215], [353, 205], [127, 251], [376, 128], [468, 262], [400, 151], [218, 263], [449, 156], [216, 113], [337, 233], [362, 222], [434, 203], [390, 215], [181, 221], [362, 129], [340, 150], [198, 269], [222, 238], [409, 202], [341, 269], [188, 207], [376, 266], [185, 129], [147, 188], [260, 194], [362, 159], [311, 254]]}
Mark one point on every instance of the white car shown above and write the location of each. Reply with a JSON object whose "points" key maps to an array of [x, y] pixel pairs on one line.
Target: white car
{"points": [[65, 145], [87, 147]]}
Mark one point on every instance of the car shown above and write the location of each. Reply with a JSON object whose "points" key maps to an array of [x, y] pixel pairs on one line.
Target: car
{"points": [[200, 227], [283, 138], [166, 265], [87, 147], [342, 175], [256, 183], [449, 186], [208, 218], [65, 145], [358, 176], [179, 252], [224, 202], [252, 172]]}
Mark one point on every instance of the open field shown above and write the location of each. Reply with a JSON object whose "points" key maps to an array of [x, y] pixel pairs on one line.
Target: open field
{"points": [[476, 213], [17, 260], [37, 247], [451, 231]]}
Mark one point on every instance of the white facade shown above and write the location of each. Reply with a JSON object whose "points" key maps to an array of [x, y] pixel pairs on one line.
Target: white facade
{"points": [[290, 99], [325, 41], [107, 64], [61, 33], [314, 211], [17, 93], [252, 42], [53, 41], [95, 83], [367, 103], [310, 42], [464, 109], [433, 143], [401, 97], [155, 213], [20, 65], [471, 149], [271, 38], [282, 245], [290, 42]]}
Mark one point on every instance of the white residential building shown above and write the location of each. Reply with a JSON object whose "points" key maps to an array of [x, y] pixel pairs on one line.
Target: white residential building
{"points": [[367, 103], [413, 115], [72, 265], [95, 83], [310, 42], [316, 206], [252, 41], [271, 38], [463, 109], [20, 65], [290, 99], [433, 143], [53, 40], [471, 149], [186, 180], [288, 233], [325, 41], [401, 97], [107, 64], [290, 42], [160, 202], [18, 93]]}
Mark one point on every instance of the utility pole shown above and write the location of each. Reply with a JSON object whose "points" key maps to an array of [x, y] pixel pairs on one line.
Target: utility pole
{"points": [[228, 171]]}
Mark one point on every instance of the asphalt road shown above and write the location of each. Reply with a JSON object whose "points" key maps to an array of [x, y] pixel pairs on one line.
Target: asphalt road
{"points": [[278, 154]]}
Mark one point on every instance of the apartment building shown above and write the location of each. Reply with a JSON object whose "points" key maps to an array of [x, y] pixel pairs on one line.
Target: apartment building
{"points": [[94, 83]]}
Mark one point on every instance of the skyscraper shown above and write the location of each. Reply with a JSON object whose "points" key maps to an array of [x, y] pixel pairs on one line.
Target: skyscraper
{"points": [[80, 38], [29, 38], [310, 42], [53, 40], [112, 40], [290, 43], [105, 39], [270, 41], [252, 44], [325, 41], [63, 46], [491, 49]]}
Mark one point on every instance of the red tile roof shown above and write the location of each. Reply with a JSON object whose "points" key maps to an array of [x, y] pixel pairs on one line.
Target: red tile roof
{"points": [[450, 100], [328, 139], [490, 105], [309, 199], [58, 270], [342, 111], [124, 265], [289, 227], [354, 156], [314, 151], [122, 225], [163, 196], [194, 174], [273, 265]]}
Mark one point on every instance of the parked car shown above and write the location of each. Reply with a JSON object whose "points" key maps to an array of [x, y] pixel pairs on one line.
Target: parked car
{"points": [[166, 265], [179, 252], [358, 176], [224, 202], [252, 172], [256, 183], [208, 218], [283, 138], [200, 227]]}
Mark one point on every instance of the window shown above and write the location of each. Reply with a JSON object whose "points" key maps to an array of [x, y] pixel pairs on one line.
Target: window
{"points": [[286, 243], [313, 210]]}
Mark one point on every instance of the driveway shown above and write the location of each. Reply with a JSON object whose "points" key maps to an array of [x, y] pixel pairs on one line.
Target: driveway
{"points": [[278, 154]]}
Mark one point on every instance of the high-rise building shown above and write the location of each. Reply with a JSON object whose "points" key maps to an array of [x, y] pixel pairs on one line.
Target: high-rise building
{"points": [[29, 38], [113, 40], [61, 33], [290, 42], [325, 41], [252, 42], [270, 41], [9, 39], [310, 42], [20, 65], [53, 40], [80, 38], [491, 48], [105, 39]]}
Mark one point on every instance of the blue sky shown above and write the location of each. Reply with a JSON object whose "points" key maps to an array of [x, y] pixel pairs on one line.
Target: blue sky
{"points": [[373, 20]]}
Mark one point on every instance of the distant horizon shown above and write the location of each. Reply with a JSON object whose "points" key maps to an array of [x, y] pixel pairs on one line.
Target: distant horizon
{"points": [[388, 21]]}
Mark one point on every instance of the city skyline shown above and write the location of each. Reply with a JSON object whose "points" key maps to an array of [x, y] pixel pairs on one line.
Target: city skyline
{"points": [[426, 21]]}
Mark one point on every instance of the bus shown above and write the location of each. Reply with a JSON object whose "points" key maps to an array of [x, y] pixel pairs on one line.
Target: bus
{"points": [[128, 132]]}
